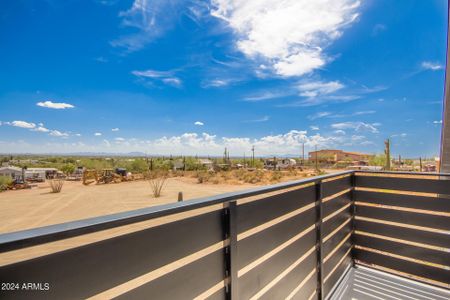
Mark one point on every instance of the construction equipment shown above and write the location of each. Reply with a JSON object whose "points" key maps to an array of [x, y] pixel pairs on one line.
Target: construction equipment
{"points": [[109, 176], [90, 176], [100, 177]]}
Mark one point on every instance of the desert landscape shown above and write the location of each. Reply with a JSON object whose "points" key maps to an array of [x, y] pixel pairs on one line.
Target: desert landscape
{"points": [[38, 206]]}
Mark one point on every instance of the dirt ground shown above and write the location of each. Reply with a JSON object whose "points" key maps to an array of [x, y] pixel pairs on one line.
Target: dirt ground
{"points": [[36, 207]]}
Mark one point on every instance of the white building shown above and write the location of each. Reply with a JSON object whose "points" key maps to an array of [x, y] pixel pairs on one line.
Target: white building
{"points": [[13, 172]]}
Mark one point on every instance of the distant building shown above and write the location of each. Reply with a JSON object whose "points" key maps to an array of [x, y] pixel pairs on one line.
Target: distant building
{"points": [[206, 163], [49, 173], [279, 163], [10, 171], [334, 156]]}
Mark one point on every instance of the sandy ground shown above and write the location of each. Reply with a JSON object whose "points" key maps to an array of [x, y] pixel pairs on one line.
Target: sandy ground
{"points": [[36, 207]]}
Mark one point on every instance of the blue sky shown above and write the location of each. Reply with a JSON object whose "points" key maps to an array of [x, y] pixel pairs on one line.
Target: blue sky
{"points": [[193, 77]]}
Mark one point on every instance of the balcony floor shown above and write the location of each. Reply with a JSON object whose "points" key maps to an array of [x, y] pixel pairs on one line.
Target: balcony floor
{"points": [[365, 283]]}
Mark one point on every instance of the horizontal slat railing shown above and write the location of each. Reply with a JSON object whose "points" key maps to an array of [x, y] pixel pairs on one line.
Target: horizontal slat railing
{"points": [[293, 240], [260, 243], [403, 224]]}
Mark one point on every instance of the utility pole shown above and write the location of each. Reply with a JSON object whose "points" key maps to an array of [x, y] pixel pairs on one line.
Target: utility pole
{"points": [[444, 162], [303, 153], [399, 161], [245, 164], [253, 156], [420, 163], [317, 163], [387, 151]]}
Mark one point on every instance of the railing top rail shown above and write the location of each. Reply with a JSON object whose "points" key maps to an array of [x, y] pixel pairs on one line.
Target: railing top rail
{"points": [[402, 173], [51, 233]]}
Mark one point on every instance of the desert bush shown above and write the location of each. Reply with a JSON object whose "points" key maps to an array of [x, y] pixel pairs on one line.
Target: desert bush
{"points": [[56, 185], [157, 181], [5, 181], [203, 176], [276, 176]]}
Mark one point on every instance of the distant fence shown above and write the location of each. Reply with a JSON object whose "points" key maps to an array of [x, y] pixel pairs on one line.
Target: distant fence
{"points": [[292, 240]]}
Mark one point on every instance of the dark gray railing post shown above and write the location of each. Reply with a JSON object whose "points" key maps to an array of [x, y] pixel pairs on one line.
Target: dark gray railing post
{"points": [[353, 210], [230, 251], [319, 240]]}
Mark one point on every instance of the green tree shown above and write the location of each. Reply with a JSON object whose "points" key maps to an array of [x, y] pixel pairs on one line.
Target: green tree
{"points": [[378, 160], [68, 169]]}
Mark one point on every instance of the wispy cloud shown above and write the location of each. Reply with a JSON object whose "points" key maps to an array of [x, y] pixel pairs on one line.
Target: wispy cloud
{"points": [[58, 133], [433, 66], [313, 127], [318, 88], [115, 129], [150, 19], [357, 126], [259, 120], [267, 95], [165, 77], [198, 123], [98, 134], [378, 28], [55, 105], [290, 38], [437, 122], [319, 115], [331, 115], [318, 92], [216, 83]]}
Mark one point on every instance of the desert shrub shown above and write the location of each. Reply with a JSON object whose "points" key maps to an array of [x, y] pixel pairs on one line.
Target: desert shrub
{"points": [[56, 185], [203, 176], [157, 181], [253, 177], [5, 182], [138, 166], [276, 176]]}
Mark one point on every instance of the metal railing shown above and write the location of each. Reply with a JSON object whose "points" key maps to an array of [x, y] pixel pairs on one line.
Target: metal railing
{"points": [[290, 240]]}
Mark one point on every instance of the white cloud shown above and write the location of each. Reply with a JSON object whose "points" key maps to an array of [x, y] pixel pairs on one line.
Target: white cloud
{"points": [[339, 132], [364, 112], [41, 129], [433, 66], [150, 18], [267, 95], [216, 83], [318, 88], [198, 123], [58, 133], [97, 134], [202, 144], [289, 35], [55, 105], [437, 122], [319, 115], [357, 126], [37, 128], [77, 134], [312, 127], [263, 119], [23, 124], [153, 76], [119, 139], [173, 81], [115, 129]]}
